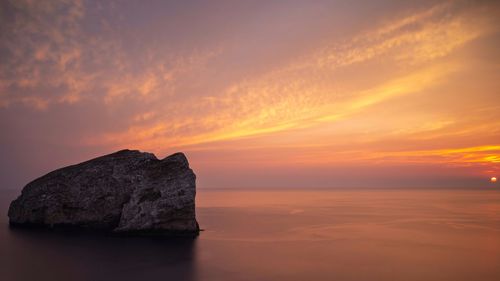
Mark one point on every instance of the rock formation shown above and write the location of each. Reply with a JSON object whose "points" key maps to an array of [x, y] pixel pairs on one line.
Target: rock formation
{"points": [[127, 192]]}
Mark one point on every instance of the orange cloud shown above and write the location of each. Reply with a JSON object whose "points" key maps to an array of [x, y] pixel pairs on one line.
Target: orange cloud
{"points": [[305, 93], [50, 50]]}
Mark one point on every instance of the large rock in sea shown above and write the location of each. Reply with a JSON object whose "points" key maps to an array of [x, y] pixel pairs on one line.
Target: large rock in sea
{"points": [[126, 192]]}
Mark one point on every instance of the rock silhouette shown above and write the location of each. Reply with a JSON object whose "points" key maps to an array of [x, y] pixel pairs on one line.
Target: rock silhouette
{"points": [[127, 191]]}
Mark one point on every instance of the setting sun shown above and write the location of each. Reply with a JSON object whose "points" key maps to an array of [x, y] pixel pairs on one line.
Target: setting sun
{"points": [[493, 179]]}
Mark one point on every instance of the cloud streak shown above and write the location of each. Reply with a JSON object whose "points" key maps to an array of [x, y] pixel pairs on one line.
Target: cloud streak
{"points": [[306, 92]]}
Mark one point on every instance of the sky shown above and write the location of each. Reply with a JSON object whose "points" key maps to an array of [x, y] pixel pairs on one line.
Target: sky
{"points": [[257, 94]]}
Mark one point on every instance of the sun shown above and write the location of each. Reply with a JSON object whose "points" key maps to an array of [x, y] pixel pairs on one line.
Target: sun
{"points": [[493, 179]]}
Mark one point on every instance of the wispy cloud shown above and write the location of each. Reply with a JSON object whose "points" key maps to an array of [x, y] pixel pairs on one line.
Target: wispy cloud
{"points": [[40, 46], [307, 92], [50, 58]]}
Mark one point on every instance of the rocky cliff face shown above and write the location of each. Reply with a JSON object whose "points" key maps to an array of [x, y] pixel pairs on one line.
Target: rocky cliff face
{"points": [[128, 192]]}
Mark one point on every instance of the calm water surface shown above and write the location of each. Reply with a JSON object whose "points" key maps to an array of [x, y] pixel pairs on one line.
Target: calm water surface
{"points": [[283, 235]]}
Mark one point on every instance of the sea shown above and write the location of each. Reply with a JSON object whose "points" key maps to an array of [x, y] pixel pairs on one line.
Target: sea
{"points": [[339, 234]]}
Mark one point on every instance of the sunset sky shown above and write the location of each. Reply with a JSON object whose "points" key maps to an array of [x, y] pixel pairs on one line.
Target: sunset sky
{"points": [[258, 94]]}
